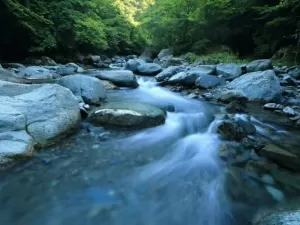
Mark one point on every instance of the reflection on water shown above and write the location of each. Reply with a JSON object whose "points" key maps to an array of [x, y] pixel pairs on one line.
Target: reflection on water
{"points": [[170, 174]]}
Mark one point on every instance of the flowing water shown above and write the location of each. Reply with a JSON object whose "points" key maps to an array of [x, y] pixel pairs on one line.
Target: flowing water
{"points": [[166, 175]]}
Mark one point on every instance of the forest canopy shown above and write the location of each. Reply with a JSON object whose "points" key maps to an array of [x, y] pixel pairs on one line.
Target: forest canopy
{"points": [[69, 26], [258, 28]]}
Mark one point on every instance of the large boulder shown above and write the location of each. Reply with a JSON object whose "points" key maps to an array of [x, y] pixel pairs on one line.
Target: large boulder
{"points": [[165, 53], [122, 78], [36, 73], [189, 78], [229, 71], [34, 116], [90, 89], [259, 65], [169, 72], [128, 115], [261, 86], [133, 64], [148, 69], [208, 81]]}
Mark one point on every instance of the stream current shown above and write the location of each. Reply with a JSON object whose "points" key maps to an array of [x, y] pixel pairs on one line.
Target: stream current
{"points": [[166, 175]]}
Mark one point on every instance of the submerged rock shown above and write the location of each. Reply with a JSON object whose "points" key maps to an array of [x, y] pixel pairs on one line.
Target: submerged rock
{"points": [[231, 130], [128, 115], [90, 89], [236, 130], [281, 156]]}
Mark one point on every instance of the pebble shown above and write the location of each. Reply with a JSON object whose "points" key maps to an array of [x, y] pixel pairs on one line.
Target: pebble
{"points": [[208, 96], [294, 118], [192, 96], [289, 111], [272, 106], [94, 147], [275, 193], [267, 179]]}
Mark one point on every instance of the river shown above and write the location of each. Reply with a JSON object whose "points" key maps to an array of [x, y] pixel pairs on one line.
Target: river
{"points": [[166, 175]]}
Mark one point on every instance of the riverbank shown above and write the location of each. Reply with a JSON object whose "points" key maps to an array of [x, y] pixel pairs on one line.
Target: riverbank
{"points": [[164, 159]]}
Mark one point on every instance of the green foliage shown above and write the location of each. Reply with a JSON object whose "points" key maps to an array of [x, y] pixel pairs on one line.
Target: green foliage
{"points": [[213, 58], [258, 27], [247, 27], [69, 26], [90, 31]]}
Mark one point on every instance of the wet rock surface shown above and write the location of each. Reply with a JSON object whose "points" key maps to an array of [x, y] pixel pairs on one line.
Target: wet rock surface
{"points": [[231, 151], [128, 115], [35, 115]]}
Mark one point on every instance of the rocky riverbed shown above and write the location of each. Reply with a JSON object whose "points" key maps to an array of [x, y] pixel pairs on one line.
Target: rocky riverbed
{"points": [[143, 141]]}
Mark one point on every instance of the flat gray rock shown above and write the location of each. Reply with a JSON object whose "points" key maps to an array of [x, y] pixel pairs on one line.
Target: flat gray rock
{"points": [[121, 78], [128, 115]]}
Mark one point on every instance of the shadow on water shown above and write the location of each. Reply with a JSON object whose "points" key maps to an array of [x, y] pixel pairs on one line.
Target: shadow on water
{"points": [[170, 174]]}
